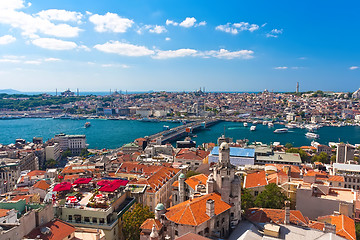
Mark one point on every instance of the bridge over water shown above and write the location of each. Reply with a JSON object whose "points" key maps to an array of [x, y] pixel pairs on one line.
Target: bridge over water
{"points": [[178, 132]]}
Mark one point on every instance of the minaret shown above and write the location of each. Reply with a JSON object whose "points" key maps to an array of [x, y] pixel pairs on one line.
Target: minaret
{"points": [[182, 188]]}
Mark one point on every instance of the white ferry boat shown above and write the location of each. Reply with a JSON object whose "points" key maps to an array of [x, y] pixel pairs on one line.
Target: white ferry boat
{"points": [[253, 128], [312, 135], [281, 130], [270, 124]]}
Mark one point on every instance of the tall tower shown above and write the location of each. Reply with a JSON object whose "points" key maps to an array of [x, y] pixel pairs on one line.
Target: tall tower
{"points": [[297, 87], [227, 183]]}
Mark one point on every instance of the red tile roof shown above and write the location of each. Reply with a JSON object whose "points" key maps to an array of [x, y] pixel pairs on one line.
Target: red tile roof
{"points": [[193, 181], [36, 173], [148, 224], [256, 179], [4, 212], [59, 230], [138, 169], [20, 197], [345, 226], [189, 154], [263, 215], [193, 212], [158, 179], [41, 184], [336, 178], [192, 236]]}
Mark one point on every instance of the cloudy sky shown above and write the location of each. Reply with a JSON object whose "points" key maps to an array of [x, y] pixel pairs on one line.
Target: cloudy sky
{"points": [[175, 45]]}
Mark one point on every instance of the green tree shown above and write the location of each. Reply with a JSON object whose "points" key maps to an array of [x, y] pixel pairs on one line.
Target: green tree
{"points": [[303, 155], [66, 154], [288, 145], [191, 173], [84, 152], [133, 219], [333, 158], [357, 230], [322, 157], [247, 199], [271, 197], [50, 163]]}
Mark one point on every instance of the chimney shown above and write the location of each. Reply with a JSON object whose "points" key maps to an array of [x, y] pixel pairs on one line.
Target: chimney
{"points": [[210, 208], [287, 213], [329, 228]]}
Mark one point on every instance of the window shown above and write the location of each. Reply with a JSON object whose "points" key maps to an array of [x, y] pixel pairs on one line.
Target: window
{"points": [[70, 217], [206, 230], [86, 219], [256, 193], [77, 218], [222, 220], [101, 220], [176, 233], [94, 220], [217, 224]]}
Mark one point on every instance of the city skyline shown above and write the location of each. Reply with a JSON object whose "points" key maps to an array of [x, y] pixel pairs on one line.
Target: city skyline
{"points": [[179, 46]]}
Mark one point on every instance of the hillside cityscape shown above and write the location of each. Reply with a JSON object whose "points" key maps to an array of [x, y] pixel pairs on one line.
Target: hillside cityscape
{"points": [[179, 120]]}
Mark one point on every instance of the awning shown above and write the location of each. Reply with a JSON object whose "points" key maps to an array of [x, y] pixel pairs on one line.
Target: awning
{"points": [[64, 186], [82, 180], [112, 185]]}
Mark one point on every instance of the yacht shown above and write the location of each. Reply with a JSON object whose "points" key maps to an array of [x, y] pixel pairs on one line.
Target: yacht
{"points": [[270, 124], [281, 130], [253, 128], [87, 124], [312, 135], [245, 124]]}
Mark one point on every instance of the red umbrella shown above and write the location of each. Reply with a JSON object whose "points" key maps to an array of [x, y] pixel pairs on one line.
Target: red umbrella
{"points": [[99, 196], [71, 199], [64, 186]]}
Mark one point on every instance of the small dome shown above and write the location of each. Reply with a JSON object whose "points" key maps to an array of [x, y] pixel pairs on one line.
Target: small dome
{"points": [[160, 207], [224, 146], [182, 176]]}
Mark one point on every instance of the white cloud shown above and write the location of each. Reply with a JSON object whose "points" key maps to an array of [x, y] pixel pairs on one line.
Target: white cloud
{"points": [[202, 23], [274, 33], [263, 25], [31, 25], [115, 65], [33, 62], [167, 39], [11, 4], [60, 15], [127, 49], [171, 22], [280, 68], [111, 22], [9, 60], [353, 67], [52, 60], [225, 54], [157, 29], [174, 53], [7, 39], [124, 49], [54, 44], [85, 48], [152, 29], [188, 22], [235, 28]]}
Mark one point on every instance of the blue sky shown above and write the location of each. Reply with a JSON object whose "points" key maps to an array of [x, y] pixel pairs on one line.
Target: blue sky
{"points": [[179, 45]]}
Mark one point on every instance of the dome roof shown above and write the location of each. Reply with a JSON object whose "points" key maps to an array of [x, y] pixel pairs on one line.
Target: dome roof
{"points": [[182, 176], [224, 146], [160, 207]]}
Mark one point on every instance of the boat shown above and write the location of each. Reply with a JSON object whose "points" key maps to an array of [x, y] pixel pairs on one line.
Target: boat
{"points": [[281, 130], [64, 116], [245, 124], [253, 128], [270, 124], [87, 124], [312, 135]]}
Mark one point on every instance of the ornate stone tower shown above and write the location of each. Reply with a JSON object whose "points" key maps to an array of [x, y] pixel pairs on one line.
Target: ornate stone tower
{"points": [[182, 188], [227, 183]]}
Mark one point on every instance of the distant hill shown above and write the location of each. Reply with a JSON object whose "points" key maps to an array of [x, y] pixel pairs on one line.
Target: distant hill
{"points": [[10, 91]]}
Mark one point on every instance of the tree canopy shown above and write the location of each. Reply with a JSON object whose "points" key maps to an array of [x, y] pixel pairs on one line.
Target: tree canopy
{"points": [[322, 157], [247, 199], [133, 219], [271, 197]]}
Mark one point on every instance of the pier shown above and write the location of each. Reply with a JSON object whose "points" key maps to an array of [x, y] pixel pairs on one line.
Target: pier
{"points": [[183, 130]]}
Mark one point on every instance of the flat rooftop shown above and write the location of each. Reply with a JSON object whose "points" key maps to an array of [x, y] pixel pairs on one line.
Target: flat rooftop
{"points": [[236, 152], [281, 158]]}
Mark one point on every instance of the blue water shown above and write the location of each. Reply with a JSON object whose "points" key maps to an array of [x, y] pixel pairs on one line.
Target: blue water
{"points": [[113, 134]]}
